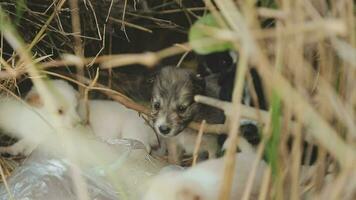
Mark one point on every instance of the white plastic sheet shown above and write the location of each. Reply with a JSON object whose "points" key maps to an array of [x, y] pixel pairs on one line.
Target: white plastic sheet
{"points": [[47, 177]]}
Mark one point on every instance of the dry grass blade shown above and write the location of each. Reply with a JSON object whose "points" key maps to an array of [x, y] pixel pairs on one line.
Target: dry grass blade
{"points": [[128, 24], [45, 26], [3, 177], [148, 59], [229, 158], [198, 142], [78, 44]]}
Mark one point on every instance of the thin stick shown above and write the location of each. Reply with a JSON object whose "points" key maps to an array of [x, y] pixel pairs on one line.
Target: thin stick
{"points": [[148, 59], [295, 168], [210, 128], [39, 35], [250, 181], [265, 184], [198, 142], [86, 97], [123, 19], [78, 46], [131, 25], [5, 183], [246, 111], [229, 158]]}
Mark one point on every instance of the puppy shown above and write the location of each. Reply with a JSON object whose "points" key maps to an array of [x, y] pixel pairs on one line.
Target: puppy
{"points": [[110, 120], [203, 180], [22, 119], [173, 108]]}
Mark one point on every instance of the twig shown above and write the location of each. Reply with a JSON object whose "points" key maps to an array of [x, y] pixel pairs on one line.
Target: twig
{"points": [[210, 128], [86, 97], [131, 25], [251, 177], [232, 118], [39, 35], [5, 183], [78, 46], [101, 36], [264, 186], [272, 13], [123, 19], [262, 12], [198, 142], [117, 96], [148, 59]]}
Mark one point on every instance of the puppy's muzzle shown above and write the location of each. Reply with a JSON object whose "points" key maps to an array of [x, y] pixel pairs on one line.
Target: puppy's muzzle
{"points": [[164, 129]]}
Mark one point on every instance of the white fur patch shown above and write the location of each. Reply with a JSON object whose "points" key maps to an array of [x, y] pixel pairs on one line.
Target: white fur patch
{"points": [[24, 121], [111, 120], [202, 181]]}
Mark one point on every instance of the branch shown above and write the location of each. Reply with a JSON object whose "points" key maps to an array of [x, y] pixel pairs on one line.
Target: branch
{"points": [[149, 59]]}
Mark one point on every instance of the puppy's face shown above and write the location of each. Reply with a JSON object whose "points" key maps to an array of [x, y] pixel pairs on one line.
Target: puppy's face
{"points": [[65, 94], [172, 104]]}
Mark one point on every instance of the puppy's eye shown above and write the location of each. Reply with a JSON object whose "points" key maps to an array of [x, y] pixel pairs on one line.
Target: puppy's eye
{"points": [[181, 108], [156, 105], [150, 80]]}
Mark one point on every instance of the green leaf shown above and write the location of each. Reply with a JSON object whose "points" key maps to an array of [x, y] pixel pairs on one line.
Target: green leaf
{"points": [[273, 142], [203, 43]]}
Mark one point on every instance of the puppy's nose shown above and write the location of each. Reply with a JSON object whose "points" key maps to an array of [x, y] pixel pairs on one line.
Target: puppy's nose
{"points": [[164, 129]]}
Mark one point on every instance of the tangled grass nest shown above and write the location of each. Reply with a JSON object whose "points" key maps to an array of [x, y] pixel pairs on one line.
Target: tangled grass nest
{"points": [[307, 61]]}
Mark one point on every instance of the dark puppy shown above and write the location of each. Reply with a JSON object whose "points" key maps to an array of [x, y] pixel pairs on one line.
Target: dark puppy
{"points": [[173, 108], [173, 105]]}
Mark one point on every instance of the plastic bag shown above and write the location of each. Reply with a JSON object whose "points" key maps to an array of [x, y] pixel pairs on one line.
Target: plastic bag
{"points": [[47, 177]]}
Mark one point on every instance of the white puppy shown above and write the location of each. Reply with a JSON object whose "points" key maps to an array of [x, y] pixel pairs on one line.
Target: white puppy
{"points": [[23, 119], [108, 119], [111, 120], [203, 181]]}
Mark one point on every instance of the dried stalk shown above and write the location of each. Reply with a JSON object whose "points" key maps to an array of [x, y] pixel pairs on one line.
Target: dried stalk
{"points": [[86, 97], [198, 142], [78, 46], [40, 34], [246, 111], [265, 184], [148, 59], [131, 25], [251, 177], [3, 177], [232, 118]]}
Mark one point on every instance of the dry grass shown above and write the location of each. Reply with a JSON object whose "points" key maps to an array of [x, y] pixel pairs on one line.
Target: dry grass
{"points": [[307, 62]]}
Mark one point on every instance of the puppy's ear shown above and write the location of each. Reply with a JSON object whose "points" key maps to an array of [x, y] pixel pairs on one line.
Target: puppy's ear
{"points": [[198, 83], [34, 100]]}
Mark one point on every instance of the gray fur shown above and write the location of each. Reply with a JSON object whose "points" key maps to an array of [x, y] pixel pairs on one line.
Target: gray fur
{"points": [[174, 88]]}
